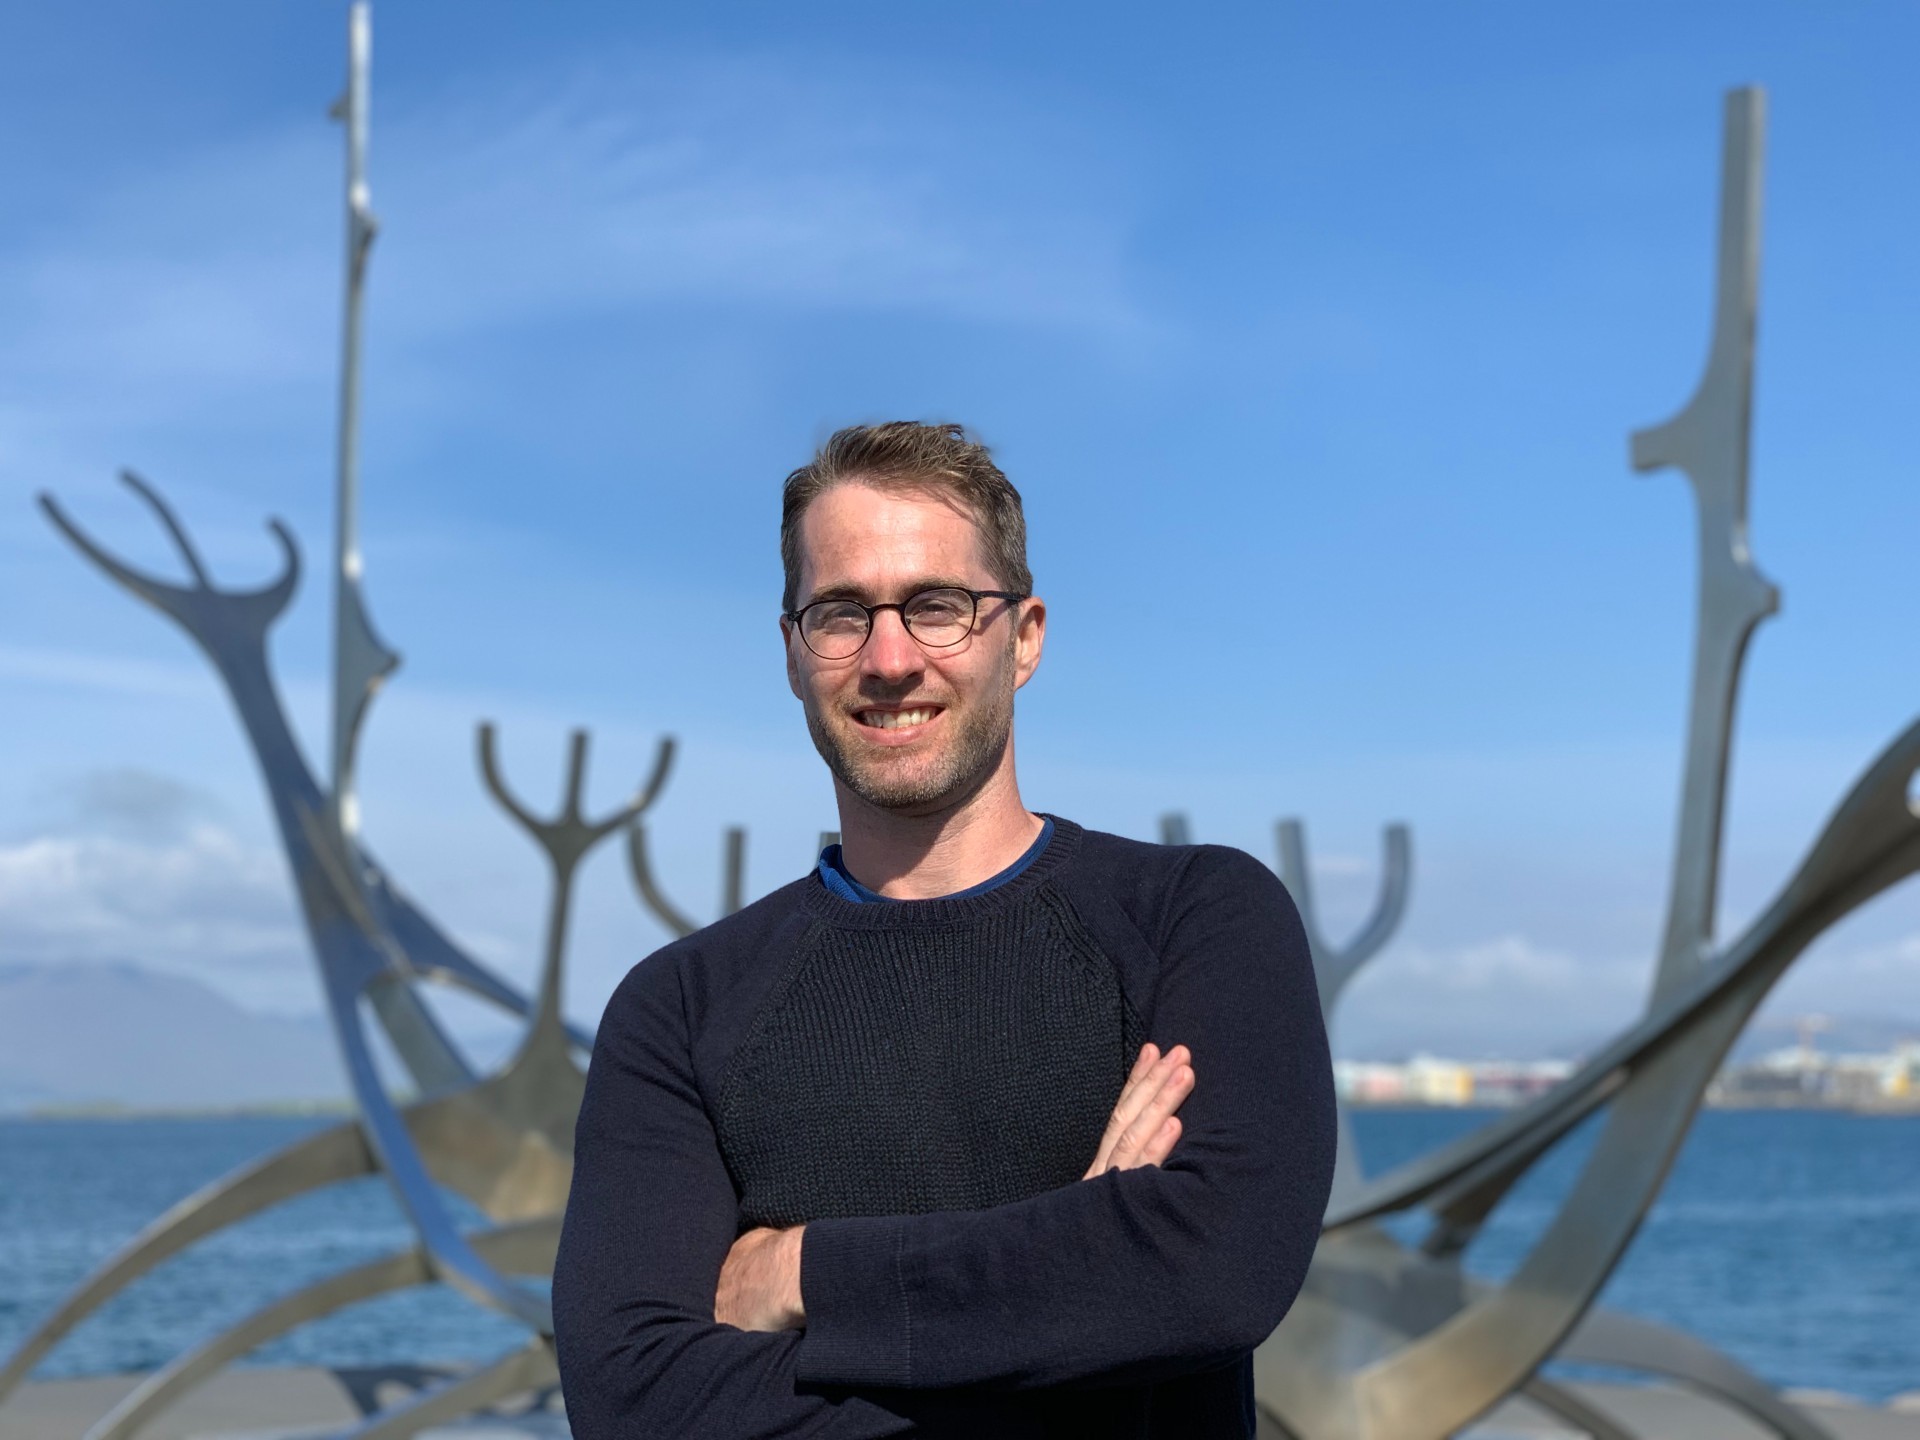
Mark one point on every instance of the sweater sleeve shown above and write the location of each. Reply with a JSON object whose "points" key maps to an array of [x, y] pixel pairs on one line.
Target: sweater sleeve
{"points": [[1137, 1274], [649, 1221]]}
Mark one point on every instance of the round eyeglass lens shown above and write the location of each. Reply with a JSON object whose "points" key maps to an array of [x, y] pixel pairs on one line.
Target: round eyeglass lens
{"points": [[834, 629], [939, 617]]}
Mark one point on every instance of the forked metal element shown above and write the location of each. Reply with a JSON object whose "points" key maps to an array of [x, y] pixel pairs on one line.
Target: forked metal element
{"points": [[733, 869], [1387, 1342], [1604, 1337], [1334, 966], [505, 1141], [354, 916], [566, 840], [1708, 440]]}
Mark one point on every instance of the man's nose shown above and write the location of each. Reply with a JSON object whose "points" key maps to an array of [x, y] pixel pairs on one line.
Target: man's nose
{"points": [[890, 652]]}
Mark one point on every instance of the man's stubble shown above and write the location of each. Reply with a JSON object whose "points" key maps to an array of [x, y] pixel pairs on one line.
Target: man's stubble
{"points": [[968, 759]]}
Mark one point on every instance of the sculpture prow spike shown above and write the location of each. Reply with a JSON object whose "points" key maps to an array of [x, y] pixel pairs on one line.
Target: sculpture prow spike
{"points": [[201, 609], [1708, 440]]}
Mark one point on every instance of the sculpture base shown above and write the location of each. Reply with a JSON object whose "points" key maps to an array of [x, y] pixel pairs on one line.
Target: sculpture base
{"points": [[273, 1404], [293, 1404]]}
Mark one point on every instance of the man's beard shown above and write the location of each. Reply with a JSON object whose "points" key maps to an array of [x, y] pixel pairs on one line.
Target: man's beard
{"points": [[970, 755]]}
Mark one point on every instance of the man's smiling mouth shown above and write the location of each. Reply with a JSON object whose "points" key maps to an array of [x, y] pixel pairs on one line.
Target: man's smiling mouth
{"points": [[896, 719]]}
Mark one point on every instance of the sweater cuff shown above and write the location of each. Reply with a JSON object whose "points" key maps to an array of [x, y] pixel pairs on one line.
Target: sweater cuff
{"points": [[859, 1324]]}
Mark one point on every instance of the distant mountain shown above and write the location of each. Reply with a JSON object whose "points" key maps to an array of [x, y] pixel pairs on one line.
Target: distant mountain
{"points": [[115, 1034]]}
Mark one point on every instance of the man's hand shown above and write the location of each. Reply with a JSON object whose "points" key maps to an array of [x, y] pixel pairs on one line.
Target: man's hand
{"points": [[1143, 1128], [760, 1282]]}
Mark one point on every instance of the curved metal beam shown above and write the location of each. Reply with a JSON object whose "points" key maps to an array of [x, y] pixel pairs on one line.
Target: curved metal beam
{"points": [[515, 1373], [525, 1249], [1608, 1337], [326, 1158], [1335, 965], [1454, 1371], [1556, 1399], [1870, 842], [652, 896]]}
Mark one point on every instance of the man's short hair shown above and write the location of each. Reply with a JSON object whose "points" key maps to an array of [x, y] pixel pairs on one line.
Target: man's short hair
{"points": [[906, 455]]}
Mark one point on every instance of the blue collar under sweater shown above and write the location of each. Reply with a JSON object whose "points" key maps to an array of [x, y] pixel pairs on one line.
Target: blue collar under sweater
{"points": [[835, 876]]}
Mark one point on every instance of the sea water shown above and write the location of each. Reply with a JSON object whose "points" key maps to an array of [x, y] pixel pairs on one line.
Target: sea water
{"points": [[1790, 1239]]}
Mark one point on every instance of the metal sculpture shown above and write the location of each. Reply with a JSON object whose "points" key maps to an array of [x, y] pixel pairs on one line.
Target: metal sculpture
{"points": [[733, 874], [503, 1141], [1387, 1342], [1334, 966], [1391, 1342]]}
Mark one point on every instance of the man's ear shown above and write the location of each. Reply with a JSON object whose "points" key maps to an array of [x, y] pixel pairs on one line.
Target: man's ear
{"points": [[1029, 639], [793, 661]]}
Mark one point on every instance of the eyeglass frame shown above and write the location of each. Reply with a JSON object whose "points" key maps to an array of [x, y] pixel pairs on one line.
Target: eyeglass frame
{"points": [[793, 616]]}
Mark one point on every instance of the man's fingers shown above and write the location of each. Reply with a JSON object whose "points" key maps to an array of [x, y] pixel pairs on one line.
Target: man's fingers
{"points": [[1125, 1108], [1132, 1147], [1161, 1145], [1144, 1104]]}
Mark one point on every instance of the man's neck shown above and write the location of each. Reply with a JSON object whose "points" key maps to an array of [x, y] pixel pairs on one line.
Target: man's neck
{"points": [[920, 857]]}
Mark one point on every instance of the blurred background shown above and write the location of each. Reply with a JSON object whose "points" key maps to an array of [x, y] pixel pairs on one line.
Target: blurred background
{"points": [[1311, 338]]}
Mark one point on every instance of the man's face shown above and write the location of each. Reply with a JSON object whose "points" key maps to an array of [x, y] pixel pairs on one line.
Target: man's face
{"points": [[907, 728]]}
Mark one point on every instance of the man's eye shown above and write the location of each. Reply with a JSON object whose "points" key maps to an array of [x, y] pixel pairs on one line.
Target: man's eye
{"points": [[838, 617], [936, 611]]}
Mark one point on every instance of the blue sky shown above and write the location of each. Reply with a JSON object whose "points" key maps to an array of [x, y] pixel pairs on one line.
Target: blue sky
{"points": [[1311, 334]]}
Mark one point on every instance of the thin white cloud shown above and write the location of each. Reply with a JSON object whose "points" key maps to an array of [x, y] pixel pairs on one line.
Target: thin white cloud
{"points": [[620, 184], [143, 870], [1506, 994], [754, 182]]}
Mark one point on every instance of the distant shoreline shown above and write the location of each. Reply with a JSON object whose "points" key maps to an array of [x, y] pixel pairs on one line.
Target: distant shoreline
{"points": [[103, 1110], [1885, 1108], [344, 1109]]}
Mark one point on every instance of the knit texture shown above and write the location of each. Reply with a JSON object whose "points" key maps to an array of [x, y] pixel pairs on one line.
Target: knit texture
{"points": [[923, 1083], [902, 1071]]}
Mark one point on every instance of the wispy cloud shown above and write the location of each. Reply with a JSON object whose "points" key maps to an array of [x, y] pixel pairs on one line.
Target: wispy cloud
{"points": [[1505, 994], [142, 869], [618, 183], [758, 182]]}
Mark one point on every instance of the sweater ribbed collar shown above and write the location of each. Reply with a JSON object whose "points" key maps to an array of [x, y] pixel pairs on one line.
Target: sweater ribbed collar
{"points": [[946, 909]]}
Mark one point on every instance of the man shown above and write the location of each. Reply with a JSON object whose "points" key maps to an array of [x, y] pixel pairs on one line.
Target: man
{"points": [[894, 1150]]}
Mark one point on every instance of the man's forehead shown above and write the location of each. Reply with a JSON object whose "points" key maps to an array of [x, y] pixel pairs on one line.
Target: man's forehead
{"points": [[856, 535]]}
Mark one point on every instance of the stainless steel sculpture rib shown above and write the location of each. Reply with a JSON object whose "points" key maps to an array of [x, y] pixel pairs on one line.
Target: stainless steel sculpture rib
{"points": [[1334, 966], [1708, 441], [504, 1141], [1387, 1342], [733, 872], [525, 1248]]}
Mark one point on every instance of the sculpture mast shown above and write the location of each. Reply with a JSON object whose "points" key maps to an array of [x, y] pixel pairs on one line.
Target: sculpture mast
{"points": [[360, 660]]}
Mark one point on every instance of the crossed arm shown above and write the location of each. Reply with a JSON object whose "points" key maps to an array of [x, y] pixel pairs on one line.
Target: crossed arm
{"points": [[760, 1280], [1143, 1271]]}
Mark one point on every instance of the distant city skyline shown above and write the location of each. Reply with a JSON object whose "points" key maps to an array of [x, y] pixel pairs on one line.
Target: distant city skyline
{"points": [[1315, 338]]}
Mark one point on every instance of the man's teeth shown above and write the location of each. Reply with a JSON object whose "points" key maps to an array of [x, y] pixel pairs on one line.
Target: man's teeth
{"points": [[894, 719]]}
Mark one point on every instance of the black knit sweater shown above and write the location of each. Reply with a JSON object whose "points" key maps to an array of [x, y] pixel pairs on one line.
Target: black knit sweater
{"points": [[922, 1083]]}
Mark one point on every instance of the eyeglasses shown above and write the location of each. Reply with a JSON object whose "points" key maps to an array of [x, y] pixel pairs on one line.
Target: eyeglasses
{"points": [[937, 618]]}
